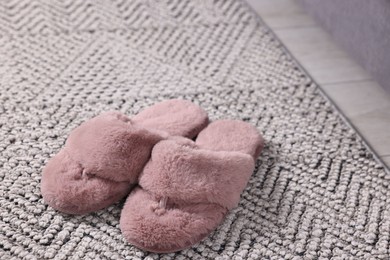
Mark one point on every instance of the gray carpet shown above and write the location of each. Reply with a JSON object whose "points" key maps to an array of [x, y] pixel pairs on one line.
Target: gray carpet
{"points": [[317, 192]]}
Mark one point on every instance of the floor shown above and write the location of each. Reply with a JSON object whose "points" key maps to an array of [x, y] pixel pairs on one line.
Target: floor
{"points": [[362, 100]]}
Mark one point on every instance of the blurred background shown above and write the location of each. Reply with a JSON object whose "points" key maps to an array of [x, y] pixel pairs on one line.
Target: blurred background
{"points": [[344, 46]]}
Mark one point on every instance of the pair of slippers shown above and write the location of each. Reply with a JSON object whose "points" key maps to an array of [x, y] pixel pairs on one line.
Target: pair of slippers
{"points": [[179, 190]]}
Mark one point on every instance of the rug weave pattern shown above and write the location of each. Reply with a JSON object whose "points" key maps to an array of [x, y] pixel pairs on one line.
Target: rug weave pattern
{"points": [[316, 193]]}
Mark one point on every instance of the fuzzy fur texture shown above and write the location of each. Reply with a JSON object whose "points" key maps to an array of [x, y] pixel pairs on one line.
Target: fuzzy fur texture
{"points": [[176, 117], [187, 187], [103, 157]]}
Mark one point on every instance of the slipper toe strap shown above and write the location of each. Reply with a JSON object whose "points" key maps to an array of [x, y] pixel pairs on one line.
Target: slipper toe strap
{"points": [[112, 143], [184, 173]]}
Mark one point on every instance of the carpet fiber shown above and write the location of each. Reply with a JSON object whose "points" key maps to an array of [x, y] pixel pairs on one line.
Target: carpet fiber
{"points": [[317, 192]]}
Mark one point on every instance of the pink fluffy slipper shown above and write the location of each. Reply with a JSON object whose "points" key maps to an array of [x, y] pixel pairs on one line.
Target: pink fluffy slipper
{"points": [[103, 157], [188, 187]]}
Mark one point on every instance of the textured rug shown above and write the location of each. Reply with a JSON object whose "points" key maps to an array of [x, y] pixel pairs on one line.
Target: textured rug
{"points": [[317, 192]]}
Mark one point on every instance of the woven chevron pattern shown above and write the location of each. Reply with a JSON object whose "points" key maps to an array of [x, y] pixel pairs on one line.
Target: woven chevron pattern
{"points": [[316, 193]]}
